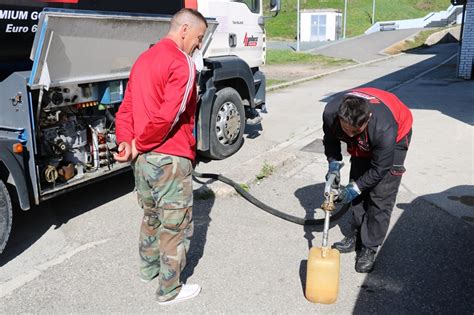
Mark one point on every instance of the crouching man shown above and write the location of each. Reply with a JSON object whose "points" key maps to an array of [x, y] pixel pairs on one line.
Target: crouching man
{"points": [[376, 126]]}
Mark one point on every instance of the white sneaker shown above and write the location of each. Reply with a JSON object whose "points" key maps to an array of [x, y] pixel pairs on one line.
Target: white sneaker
{"points": [[188, 291]]}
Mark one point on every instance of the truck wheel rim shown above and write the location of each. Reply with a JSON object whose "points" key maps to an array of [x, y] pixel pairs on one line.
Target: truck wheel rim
{"points": [[227, 123]]}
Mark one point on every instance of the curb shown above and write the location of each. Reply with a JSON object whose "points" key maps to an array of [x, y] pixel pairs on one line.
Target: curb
{"points": [[211, 188], [317, 76], [412, 36], [275, 157]]}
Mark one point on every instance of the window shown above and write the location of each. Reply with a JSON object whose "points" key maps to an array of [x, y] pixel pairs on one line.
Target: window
{"points": [[318, 27]]}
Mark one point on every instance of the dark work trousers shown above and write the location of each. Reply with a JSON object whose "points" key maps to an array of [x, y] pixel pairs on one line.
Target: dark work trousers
{"points": [[373, 208]]}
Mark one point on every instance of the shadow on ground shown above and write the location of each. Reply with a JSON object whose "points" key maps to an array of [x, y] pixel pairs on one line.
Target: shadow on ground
{"points": [[202, 220], [432, 92], [425, 264], [311, 197], [29, 226]]}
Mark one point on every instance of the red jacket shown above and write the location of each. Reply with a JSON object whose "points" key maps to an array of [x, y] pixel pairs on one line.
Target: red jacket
{"points": [[159, 106], [389, 125]]}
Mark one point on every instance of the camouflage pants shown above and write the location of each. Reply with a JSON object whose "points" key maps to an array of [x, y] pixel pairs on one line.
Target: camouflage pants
{"points": [[164, 190]]}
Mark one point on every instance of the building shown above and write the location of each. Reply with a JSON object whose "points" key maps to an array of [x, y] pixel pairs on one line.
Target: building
{"points": [[466, 51], [320, 25]]}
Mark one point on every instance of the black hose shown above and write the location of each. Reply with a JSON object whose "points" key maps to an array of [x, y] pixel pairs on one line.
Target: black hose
{"points": [[265, 207], [109, 115]]}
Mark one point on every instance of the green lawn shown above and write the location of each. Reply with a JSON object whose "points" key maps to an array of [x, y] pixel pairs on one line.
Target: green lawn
{"points": [[289, 57], [420, 39], [359, 13]]}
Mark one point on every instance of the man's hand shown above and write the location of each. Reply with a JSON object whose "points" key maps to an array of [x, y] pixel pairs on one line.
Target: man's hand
{"points": [[348, 193], [134, 150], [335, 168], [124, 152]]}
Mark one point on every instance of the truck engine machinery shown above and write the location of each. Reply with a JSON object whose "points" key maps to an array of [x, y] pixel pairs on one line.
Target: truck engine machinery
{"points": [[76, 133]]}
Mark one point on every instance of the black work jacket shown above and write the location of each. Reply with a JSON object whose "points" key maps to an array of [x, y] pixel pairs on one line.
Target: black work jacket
{"points": [[377, 142]]}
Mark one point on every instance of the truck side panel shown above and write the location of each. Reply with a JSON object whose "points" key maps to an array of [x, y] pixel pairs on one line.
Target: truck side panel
{"points": [[18, 21], [12, 170], [17, 113]]}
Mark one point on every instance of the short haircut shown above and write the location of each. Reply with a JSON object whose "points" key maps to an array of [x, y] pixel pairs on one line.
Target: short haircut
{"points": [[354, 110], [186, 15]]}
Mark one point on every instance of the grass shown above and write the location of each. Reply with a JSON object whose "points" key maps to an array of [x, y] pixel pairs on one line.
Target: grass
{"points": [[359, 13], [419, 40], [271, 82], [245, 187], [267, 170], [291, 57], [413, 43]]}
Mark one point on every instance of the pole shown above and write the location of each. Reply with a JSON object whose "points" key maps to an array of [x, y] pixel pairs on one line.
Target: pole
{"points": [[298, 25], [373, 12], [345, 15]]}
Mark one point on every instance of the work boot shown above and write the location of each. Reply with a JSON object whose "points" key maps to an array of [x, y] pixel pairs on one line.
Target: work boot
{"points": [[348, 243], [365, 260]]}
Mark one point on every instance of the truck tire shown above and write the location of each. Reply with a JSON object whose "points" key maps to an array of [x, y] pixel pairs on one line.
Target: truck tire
{"points": [[227, 124], [5, 215]]}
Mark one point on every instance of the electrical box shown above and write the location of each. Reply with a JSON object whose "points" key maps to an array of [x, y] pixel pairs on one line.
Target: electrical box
{"points": [[320, 25]]}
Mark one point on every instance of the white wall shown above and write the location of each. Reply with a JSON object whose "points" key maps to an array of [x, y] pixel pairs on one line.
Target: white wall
{"points": [[416, 23]]}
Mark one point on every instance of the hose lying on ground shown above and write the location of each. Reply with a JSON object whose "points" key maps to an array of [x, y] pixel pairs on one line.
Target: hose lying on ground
{"points": [[265, 207]]}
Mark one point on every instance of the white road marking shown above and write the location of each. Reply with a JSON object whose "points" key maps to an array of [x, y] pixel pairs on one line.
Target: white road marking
{"points": [[17, 282]]}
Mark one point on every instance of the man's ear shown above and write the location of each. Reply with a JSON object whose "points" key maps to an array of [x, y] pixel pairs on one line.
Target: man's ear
{"points": [[184, 30]]}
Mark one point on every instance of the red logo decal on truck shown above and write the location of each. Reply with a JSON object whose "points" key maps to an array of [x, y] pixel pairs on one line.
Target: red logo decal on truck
{"points": [[250, 41]]}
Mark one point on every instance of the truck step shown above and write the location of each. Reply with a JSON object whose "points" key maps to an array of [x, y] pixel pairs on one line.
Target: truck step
{"points": [[258, 102]]}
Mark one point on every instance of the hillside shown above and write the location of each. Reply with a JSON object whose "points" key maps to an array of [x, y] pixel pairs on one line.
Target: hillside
{"points": [[359, 13]]}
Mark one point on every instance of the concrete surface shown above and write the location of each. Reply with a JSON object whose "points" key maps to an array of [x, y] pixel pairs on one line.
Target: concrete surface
{"points": [[450, 35], [78, 253], [365, 47]]}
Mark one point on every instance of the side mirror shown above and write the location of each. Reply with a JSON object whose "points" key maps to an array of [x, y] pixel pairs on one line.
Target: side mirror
{"points": [[275, 6]]}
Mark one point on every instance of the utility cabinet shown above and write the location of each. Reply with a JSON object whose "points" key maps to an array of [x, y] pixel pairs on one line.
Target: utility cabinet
{"points": [[320, 25]]}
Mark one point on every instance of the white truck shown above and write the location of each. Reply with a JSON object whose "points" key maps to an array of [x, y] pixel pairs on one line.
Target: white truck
{"points": [[64, 66]]}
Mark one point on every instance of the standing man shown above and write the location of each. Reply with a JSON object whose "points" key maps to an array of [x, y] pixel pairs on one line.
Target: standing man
{"points": [[376, 126], [155, 131]]}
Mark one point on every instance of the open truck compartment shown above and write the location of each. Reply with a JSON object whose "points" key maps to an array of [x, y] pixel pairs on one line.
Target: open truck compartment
{"points": [[81, 64]]}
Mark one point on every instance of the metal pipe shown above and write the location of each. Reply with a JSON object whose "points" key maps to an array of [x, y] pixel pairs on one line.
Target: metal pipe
{"points": [[345, 19], [373, 12], [298, 25], [462, 23], [326, 228]]}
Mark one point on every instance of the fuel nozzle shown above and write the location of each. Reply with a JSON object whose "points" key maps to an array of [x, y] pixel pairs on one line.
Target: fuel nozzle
{"points": [[328, 204], [330, 193]]}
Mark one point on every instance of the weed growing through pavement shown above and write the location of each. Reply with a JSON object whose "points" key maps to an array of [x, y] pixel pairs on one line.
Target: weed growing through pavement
{"points": [[245, 187], [267, 170]]}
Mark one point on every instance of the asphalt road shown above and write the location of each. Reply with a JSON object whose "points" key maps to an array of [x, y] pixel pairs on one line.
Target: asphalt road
{"points": [[366, 47], [360, 48], [78, 253]]}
